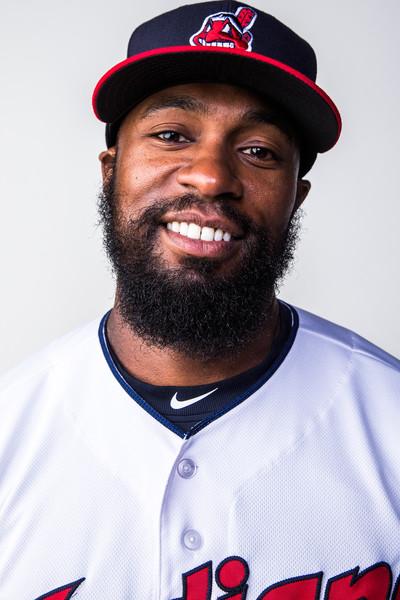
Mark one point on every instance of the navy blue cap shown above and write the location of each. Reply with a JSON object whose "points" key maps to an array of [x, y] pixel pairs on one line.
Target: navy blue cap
{"points": [[226, 42]]}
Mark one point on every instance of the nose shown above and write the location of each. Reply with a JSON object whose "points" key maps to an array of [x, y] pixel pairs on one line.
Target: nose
{"points": [[210, 173]]}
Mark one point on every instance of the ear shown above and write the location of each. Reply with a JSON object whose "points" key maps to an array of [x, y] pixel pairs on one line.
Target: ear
{"points": [[303, 187], [107, 159]]}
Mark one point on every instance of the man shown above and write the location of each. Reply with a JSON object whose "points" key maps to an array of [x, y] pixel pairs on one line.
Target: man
{"points": [[205, 440]]}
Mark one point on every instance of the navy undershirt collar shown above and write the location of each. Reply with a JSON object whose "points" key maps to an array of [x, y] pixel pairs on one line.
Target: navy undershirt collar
{"points": [[187, 409]]}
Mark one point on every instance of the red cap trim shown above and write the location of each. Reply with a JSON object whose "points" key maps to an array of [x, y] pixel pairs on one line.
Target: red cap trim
{"points": [[260, 57]]}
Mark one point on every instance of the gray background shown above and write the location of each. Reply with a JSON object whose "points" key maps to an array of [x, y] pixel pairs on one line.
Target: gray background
{"points": [[54, 273]]}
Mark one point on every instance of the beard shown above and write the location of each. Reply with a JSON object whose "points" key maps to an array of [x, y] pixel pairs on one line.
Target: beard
{"points": [[193, 308]]}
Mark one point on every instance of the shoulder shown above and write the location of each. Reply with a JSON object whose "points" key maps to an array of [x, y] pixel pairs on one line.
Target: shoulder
{"points": [[361, 377], [333, 338], [55, 358], [360, 384], [35, 394]]}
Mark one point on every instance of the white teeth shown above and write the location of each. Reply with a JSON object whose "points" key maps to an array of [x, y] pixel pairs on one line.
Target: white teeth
{"points": [[195, 232], [218, 235], [207, 234], [219, 44], [183, 228]]}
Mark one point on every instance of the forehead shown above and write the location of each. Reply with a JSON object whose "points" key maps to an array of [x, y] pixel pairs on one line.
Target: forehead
{"points": [[219, 95], [211, 100]]}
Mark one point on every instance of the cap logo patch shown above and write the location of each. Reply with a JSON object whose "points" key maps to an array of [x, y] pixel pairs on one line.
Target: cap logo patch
{"points": [[227, 30]]}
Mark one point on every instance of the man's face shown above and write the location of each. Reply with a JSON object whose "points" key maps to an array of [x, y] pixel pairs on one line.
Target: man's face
{"points": [[199, 199]]}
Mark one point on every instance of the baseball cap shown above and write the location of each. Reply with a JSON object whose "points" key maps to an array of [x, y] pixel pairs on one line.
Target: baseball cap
{"points": [[227, 42]]}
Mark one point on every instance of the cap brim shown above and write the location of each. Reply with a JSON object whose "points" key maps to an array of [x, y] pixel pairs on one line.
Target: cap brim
{"points": [[137, 77]]}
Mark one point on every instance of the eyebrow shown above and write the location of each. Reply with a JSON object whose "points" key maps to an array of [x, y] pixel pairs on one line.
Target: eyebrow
{"points": [[184, 102], [270, 117], [188, 103]]}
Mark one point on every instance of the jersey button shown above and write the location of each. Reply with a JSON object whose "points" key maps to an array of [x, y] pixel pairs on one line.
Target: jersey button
{"points": [[187, 468], [192, 539]]}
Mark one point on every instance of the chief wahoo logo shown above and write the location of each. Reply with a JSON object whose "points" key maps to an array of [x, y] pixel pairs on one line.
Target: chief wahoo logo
{"points": [[227, 30]]}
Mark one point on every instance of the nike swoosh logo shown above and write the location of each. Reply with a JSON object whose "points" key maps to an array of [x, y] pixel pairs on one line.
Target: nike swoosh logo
{"points": [[176, 404]]}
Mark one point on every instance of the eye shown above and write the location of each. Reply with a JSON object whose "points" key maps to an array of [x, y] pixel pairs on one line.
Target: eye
{"points": [[260, 152], [171, 136]]}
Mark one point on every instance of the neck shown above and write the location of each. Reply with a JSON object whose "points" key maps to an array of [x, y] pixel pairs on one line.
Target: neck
{"points": [[163, 366]]}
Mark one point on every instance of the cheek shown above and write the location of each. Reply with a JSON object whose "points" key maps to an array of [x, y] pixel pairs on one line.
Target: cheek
{"points": [[271, 203], [140, 180]]}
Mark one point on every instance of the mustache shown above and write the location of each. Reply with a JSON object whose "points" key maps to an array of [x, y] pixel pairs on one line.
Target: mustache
{"points": [[152, 215]]}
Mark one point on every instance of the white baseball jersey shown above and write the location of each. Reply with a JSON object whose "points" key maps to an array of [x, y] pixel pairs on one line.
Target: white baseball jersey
{"points": [[291, 494]]}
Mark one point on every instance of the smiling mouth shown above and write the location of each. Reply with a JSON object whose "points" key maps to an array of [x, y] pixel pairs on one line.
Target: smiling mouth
{"points": [[218, 44], [193, 231]]}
